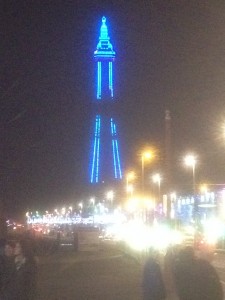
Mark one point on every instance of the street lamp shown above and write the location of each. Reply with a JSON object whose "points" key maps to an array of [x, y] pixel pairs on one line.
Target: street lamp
{"points": [[130, 189], [80, 206], [156, 178], [92, 201], [190, 161], [110, 196], [145, 156], [204, 191], [129, 177]]}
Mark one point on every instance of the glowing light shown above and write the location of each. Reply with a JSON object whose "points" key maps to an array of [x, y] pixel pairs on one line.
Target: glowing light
{"points": [[213, 230], [141, 237], [132, 204], [149, 204], [110, 79], [130, 176], [95, 160], [92, 201], [130, 188], [104, 47], [156, 178], [110, 195], [190, 160], [116, 159], [99, 83], [204, 188], [104, 56], [146, 155]]}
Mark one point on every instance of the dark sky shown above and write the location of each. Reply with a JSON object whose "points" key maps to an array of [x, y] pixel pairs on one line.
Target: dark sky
{"points": [[170, 55]]}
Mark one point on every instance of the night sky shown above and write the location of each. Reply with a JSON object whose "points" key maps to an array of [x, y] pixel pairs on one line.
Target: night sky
{"points": [[169, 55]]}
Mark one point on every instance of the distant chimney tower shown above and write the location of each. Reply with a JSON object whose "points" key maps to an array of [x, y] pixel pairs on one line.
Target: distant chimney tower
{"points": [[168, 163], [168, 151]]}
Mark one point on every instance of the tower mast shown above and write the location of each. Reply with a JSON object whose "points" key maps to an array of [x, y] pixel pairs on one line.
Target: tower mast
{"points": [[105, 155], [168, 159]]}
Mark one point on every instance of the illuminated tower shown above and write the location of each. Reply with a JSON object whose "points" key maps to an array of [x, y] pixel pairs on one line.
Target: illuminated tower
{"points": [[105, 155]]}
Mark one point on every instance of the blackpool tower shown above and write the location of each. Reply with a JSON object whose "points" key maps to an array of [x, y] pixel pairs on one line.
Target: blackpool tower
{"points": [[105, 163]]}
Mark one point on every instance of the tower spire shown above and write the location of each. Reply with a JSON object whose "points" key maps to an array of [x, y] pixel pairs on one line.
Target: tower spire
{"points": [[104, 30], [105, 156], [104, 48]]}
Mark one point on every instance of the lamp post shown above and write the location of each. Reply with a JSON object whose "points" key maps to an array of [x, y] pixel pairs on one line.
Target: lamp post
{"points": [[92, 201], [130, 189], [157, 179], [129, 177], [145, 156], [190, 161], [110, 197]]}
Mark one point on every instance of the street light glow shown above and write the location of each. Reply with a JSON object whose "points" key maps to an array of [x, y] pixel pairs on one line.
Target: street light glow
{"points": [[110, 195], [146, 155], [130, 188], [130, 176], [92, 201], [156, 178], [190, 160]]}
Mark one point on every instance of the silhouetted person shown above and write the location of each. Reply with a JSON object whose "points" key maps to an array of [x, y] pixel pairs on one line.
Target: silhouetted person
{"points": [[7, 267], [22, 285], [153, 285], [196, 279], [168, 272]]}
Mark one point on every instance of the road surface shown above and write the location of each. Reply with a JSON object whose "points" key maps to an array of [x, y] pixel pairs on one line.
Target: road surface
{"points": [[101, 273]]}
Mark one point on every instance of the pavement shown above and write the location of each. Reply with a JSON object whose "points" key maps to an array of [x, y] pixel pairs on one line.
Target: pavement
{"points": [[103, 272], [98, 272]]}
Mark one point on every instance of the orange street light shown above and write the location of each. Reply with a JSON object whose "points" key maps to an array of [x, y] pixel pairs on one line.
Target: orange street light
{"points": [[157, 179], [190, 161], [145, 156]]}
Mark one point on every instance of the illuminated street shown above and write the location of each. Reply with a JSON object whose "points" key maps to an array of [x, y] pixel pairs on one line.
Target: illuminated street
{"points": [[102, 274], [112, 145]]}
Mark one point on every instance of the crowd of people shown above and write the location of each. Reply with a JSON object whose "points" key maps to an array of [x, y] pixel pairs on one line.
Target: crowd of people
{"points": [[18, 270], [180, 275]]}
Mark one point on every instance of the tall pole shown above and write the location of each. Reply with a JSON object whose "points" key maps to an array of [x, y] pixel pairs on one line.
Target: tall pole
{"points": [[146, 155], [168, 151], [190, 160], [193, 173], [142, 173], [168, 161], [157, 179], [159, 189], [195, 199]]}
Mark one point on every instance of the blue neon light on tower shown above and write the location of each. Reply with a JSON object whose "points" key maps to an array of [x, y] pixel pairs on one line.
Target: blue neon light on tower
{"points": [[105, 155]]}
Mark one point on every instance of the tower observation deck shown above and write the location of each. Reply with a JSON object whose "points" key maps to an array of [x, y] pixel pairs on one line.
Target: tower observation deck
{"points": [[105, 164]]}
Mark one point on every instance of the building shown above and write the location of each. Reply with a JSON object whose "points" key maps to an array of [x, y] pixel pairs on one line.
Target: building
{"points": [[105, 162]]}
